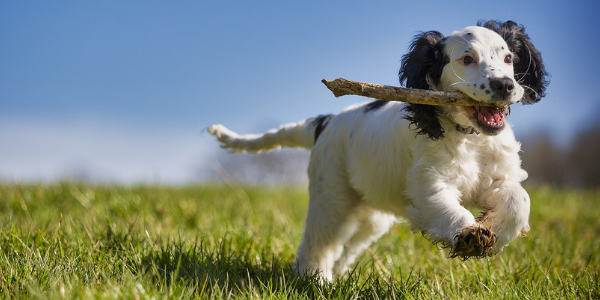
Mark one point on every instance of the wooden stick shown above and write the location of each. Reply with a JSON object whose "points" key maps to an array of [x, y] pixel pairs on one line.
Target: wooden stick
{"points": [[342, 87]]}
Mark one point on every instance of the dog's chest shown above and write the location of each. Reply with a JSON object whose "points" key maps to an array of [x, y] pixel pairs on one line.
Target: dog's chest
{"points": [[472, 168]]}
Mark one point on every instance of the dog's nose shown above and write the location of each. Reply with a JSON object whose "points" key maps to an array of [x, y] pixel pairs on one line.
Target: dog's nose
{"points": [[502, 86]]}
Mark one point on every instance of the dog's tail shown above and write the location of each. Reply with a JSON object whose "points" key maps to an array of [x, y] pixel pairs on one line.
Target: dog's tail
{"points": [[303, 134]]}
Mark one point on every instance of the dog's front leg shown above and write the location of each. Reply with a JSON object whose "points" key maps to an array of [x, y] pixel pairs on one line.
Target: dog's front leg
{"points": [[507, 207], [436, 210]]}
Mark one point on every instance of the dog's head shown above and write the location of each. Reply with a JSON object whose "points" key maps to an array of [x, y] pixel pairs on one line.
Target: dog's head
{"points": [[490, 62]]}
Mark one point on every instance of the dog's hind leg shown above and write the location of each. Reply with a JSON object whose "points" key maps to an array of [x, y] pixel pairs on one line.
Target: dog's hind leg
{"points": [[329, 222], [371, 225], [327, 229]]}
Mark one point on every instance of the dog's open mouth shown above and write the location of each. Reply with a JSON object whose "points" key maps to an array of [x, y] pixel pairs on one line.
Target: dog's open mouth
{"points": [[489, 119]]}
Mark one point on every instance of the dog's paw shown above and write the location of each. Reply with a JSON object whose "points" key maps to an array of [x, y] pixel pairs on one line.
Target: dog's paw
{"points": [[473, 241]]}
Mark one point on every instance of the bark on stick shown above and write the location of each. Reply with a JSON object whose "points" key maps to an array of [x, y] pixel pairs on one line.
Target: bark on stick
{"points": [[342, 87]]}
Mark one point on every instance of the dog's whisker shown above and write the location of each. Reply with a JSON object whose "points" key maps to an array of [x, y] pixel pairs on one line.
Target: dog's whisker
{"points": [[521, 74], [526, 87], [452, 67], [466, 43], [459, 83], [528, 63], [481, 72], [520, 77]]}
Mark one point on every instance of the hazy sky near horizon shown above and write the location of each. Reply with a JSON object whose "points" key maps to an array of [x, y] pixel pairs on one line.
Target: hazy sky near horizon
{"points": [[124, 89]]}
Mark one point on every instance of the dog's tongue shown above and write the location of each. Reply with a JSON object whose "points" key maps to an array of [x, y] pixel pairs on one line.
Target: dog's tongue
{"points": [[491, 116]]}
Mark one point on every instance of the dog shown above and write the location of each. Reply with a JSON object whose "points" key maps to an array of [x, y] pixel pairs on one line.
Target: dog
{"points": [[379, 163]]}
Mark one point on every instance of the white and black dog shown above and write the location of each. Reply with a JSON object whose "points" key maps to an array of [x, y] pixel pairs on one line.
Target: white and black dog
{"points": [[381, 162]]}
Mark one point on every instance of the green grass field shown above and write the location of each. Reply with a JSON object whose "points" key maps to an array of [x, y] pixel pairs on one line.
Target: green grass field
{"points": [[69, 240]]}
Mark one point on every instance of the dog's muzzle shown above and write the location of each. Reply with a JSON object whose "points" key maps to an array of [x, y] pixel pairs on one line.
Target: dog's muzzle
{"points": [[502, 87]]}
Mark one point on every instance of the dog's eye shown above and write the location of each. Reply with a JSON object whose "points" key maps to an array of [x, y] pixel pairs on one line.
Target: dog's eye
{"points": [[508, 59], [467, 60]]}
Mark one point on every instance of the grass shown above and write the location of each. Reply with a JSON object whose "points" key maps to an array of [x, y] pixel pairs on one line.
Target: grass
{"points": [[71, 240]]}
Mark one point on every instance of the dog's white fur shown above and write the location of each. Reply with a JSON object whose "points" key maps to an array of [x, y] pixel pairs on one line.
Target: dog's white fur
{"points": [[369, 169]]}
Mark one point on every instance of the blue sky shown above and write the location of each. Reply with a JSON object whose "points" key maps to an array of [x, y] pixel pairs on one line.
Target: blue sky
{"points": [[123, 89]]}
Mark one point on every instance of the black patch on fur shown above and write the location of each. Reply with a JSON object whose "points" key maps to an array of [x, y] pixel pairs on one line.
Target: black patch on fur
{"points": [[422, 66], [424, 60], [482, 86], [426, 119], [321, 122], [527, 60], [375, 105]]}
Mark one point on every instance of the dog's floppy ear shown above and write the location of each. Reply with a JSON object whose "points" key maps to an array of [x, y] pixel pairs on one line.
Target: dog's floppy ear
{"points": [[422, 69], [527, 61], [424, 62]]}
